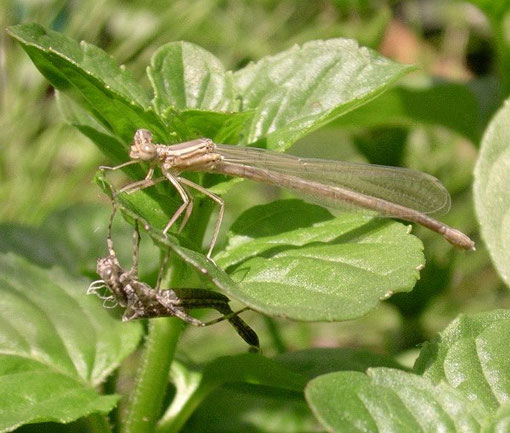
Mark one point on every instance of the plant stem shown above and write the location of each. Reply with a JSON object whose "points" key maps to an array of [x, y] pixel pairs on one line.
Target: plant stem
{"points": [[146, 400], [502, 53], [275, 334], [97, 423], [183, 407], [145, 405]]}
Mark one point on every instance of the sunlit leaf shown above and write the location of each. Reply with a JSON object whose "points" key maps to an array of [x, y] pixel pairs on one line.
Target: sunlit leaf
{"points": [[390, 400], [303, 88], [492, 192], [469, 355], [333, 269], [65, 345]]}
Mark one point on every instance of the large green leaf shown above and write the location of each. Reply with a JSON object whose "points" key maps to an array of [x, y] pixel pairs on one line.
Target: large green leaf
{"points": [[333, 269], [92, 78], [469, 355], [56, 345], [249, 409], [492, 192], [386, 400], [303, 88]]}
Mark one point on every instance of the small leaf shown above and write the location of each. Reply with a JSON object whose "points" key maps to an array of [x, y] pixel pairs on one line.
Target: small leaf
{"points": [[303, 88], [65, 346], [390, 401], [91, 77], [335, 269], [469, 355], [491, 191], [220, 127], [186, 76]]}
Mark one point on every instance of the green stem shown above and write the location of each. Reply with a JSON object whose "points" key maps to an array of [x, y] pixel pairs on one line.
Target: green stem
{"points": [[147, 398], [275, 334], [97, 423], [183, 407], [502, 54]]}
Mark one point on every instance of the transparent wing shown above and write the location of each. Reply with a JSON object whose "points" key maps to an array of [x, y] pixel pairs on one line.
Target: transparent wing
{"points": [[409, 188]]}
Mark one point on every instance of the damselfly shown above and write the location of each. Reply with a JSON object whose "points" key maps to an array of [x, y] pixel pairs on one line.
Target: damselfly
{"points": [[390, 191]]}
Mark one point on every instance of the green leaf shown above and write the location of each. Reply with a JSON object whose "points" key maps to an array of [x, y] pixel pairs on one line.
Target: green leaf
{"points": [[65, 345], [72, 238], [408, 106], [391, 401], [92, 78], [303, 88], [491, 191], [220, 127], [335, 269], [469, 355], [186, 76]]}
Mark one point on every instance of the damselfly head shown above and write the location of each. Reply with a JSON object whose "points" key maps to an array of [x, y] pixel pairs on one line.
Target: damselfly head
{"points": [[143, 148]]}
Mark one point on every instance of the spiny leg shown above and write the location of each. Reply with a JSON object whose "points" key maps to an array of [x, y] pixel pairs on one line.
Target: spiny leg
{"points": [[187, 214], [182, 207], [117, 167], [162, 269], [130, 188], [218, 200], [109, 240], [227, 316], [134, 185], [136, 250]]}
